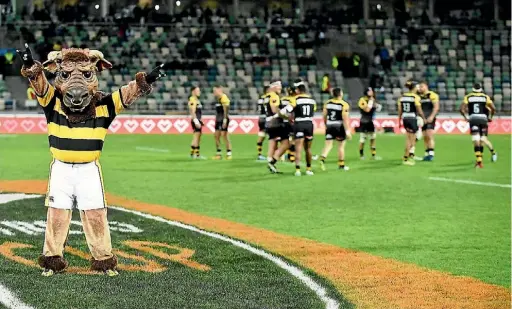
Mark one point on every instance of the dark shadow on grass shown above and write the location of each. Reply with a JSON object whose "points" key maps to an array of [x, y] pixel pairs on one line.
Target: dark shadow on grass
{"points": [[378, 165]]}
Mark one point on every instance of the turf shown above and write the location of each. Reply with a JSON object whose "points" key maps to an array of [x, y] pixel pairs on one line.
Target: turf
{"points": [[380, 207], [236, 278]]}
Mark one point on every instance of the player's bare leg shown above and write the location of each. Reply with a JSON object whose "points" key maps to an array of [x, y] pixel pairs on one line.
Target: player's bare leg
{"points": [[291, 149], [52, 260], [325, 153], [477, 145], [341, 156], [299, 145], [362, 140], [409, 144], [276, 154], [227, 141], [196, 140], [259, 145], [373, 147], [97, 234], [218, 154], [309, 156], [429, 145], [494, 155]]}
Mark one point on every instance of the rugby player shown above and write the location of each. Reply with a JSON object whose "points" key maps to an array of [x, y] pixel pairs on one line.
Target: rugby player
{"points": [[409, 107], [195, 108], [368, 106], [285, 101], [430, 107], [473, 110], [337, 124], [221, 122], [276, 129], [262, 111]]}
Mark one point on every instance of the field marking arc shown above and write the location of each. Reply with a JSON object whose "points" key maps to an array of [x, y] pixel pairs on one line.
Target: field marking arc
{"points": [[320, 291], [151, 149], [471, 182], [10, 300]]}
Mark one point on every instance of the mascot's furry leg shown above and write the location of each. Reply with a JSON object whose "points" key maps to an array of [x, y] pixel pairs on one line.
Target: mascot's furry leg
{"points": [[97, 234], [57, 229]]}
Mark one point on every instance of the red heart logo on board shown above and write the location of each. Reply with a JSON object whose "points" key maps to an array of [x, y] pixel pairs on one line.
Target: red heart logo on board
{"points": [[10, 125], [147, 125], [181, 125], [27, 125], [164, 125], [211, 125], [448, 126], [42, 125], [131, 125], [505, 124], [463, 126], [233, 124], [115, 126], [246, 125]]}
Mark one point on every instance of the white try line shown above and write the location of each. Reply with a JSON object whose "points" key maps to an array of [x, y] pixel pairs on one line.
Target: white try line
{"points": [[151, 149], [470, 182], [319, 290], [10, 300]]}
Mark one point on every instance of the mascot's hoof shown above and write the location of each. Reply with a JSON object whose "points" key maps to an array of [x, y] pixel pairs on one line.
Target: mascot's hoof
{"points": [[104, 265], [54, 263]]}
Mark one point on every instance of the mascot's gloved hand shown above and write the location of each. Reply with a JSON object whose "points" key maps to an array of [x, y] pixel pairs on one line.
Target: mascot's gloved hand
{"points": [[155, 75], [26, 56]]}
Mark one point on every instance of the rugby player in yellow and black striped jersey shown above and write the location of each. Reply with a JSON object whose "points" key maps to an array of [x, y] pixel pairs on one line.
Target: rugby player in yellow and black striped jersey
{"points": [[78, 116], [221, 122], [430, 107], [196, 111], [262, 132]]}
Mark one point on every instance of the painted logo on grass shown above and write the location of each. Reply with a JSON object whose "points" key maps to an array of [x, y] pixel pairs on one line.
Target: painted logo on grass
{"points": [[163, 264]]}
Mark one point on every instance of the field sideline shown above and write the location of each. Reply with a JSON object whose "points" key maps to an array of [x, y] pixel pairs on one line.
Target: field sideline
{"points": [[414, 214]]}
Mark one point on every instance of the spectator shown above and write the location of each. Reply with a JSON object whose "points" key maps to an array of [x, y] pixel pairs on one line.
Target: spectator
{"points": [[326, 85], [385, 59]]}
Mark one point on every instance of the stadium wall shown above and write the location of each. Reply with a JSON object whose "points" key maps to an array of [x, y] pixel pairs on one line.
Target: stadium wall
{"points": [[159, 124]]}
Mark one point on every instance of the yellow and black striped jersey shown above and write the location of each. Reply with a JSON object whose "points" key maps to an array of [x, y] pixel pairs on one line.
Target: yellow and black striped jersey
{"points": [[271, 99], [193, 102], [219, 106], [334, 109], [477, 103], [262, 109], [428, 100], [78, 142], [409, 102], [304, 107]]}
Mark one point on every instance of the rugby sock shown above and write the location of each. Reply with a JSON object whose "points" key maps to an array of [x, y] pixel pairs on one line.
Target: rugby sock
{"points": [[228, 152], [361, 152], [259, 147], [297, 168], [406, 158], [492, 151], [308, 166], [430, 152], [478, 153], [341, 163], [192, 150], [322, 158], [374, 151], [411, 152], [219, 151], [197, 151]]}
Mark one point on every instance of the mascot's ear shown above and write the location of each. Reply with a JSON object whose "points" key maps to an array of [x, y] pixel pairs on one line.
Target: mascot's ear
{"points": [[54, 58], [97, 58]]}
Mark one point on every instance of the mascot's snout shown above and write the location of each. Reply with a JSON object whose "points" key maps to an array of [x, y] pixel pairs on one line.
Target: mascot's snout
{"points": [[77, 99]]}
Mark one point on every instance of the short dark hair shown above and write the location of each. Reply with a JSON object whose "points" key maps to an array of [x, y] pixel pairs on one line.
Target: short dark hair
{"points": [[410, 84], [336, 92], [477, 86], [194, 87], [265, 88], [217, 86]]}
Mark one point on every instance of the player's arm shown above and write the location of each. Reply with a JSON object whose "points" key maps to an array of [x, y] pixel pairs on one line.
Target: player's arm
{"points": [[417, 102], [324, 112], [464, 108], [492, 109], [34, 72], [365, 106], [435, 102], [399, 110], [192, 107], [225, 106], [346, 120]]}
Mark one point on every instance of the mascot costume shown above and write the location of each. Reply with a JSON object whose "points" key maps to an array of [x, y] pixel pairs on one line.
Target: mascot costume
{"points": [[78, 117]]}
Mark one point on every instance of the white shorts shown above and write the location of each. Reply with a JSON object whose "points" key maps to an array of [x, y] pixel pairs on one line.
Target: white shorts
{"points": [[75, 185]]}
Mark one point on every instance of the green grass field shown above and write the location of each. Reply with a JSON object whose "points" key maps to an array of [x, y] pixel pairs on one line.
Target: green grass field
{"points": [[379, 207]]}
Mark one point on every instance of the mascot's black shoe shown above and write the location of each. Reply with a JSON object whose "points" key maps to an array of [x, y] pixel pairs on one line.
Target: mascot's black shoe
{"points": [[52, 264], [108, 266]]}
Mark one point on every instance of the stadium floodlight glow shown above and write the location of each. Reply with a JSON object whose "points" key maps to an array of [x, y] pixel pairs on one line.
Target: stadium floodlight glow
{"points": [[379, 7], [178, 3], [157, 7], [97, 6]]}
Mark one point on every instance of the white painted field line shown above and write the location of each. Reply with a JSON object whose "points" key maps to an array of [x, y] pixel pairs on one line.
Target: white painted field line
{"points": [[151, 149], [319, 290], [470, 182], [10, 300]]}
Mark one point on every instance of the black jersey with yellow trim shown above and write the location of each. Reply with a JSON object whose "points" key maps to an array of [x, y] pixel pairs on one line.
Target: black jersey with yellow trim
{"points": [[334, 109], [409, 103], [78, 142], [477, 103], [193, 101], [304, 107], [428, 100], [363, 104], [262, 109], [222, 101]]}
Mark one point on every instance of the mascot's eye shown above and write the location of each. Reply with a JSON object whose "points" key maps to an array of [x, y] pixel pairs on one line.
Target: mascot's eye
{"points": [[64, 75], [87, 74]]}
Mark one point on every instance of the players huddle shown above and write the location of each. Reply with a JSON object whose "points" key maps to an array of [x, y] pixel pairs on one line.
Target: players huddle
{"points": [[288, 123]]}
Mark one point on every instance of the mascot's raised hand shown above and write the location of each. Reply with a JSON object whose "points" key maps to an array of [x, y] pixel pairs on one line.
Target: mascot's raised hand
{"points": [[26, 56], [156, 74]]}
